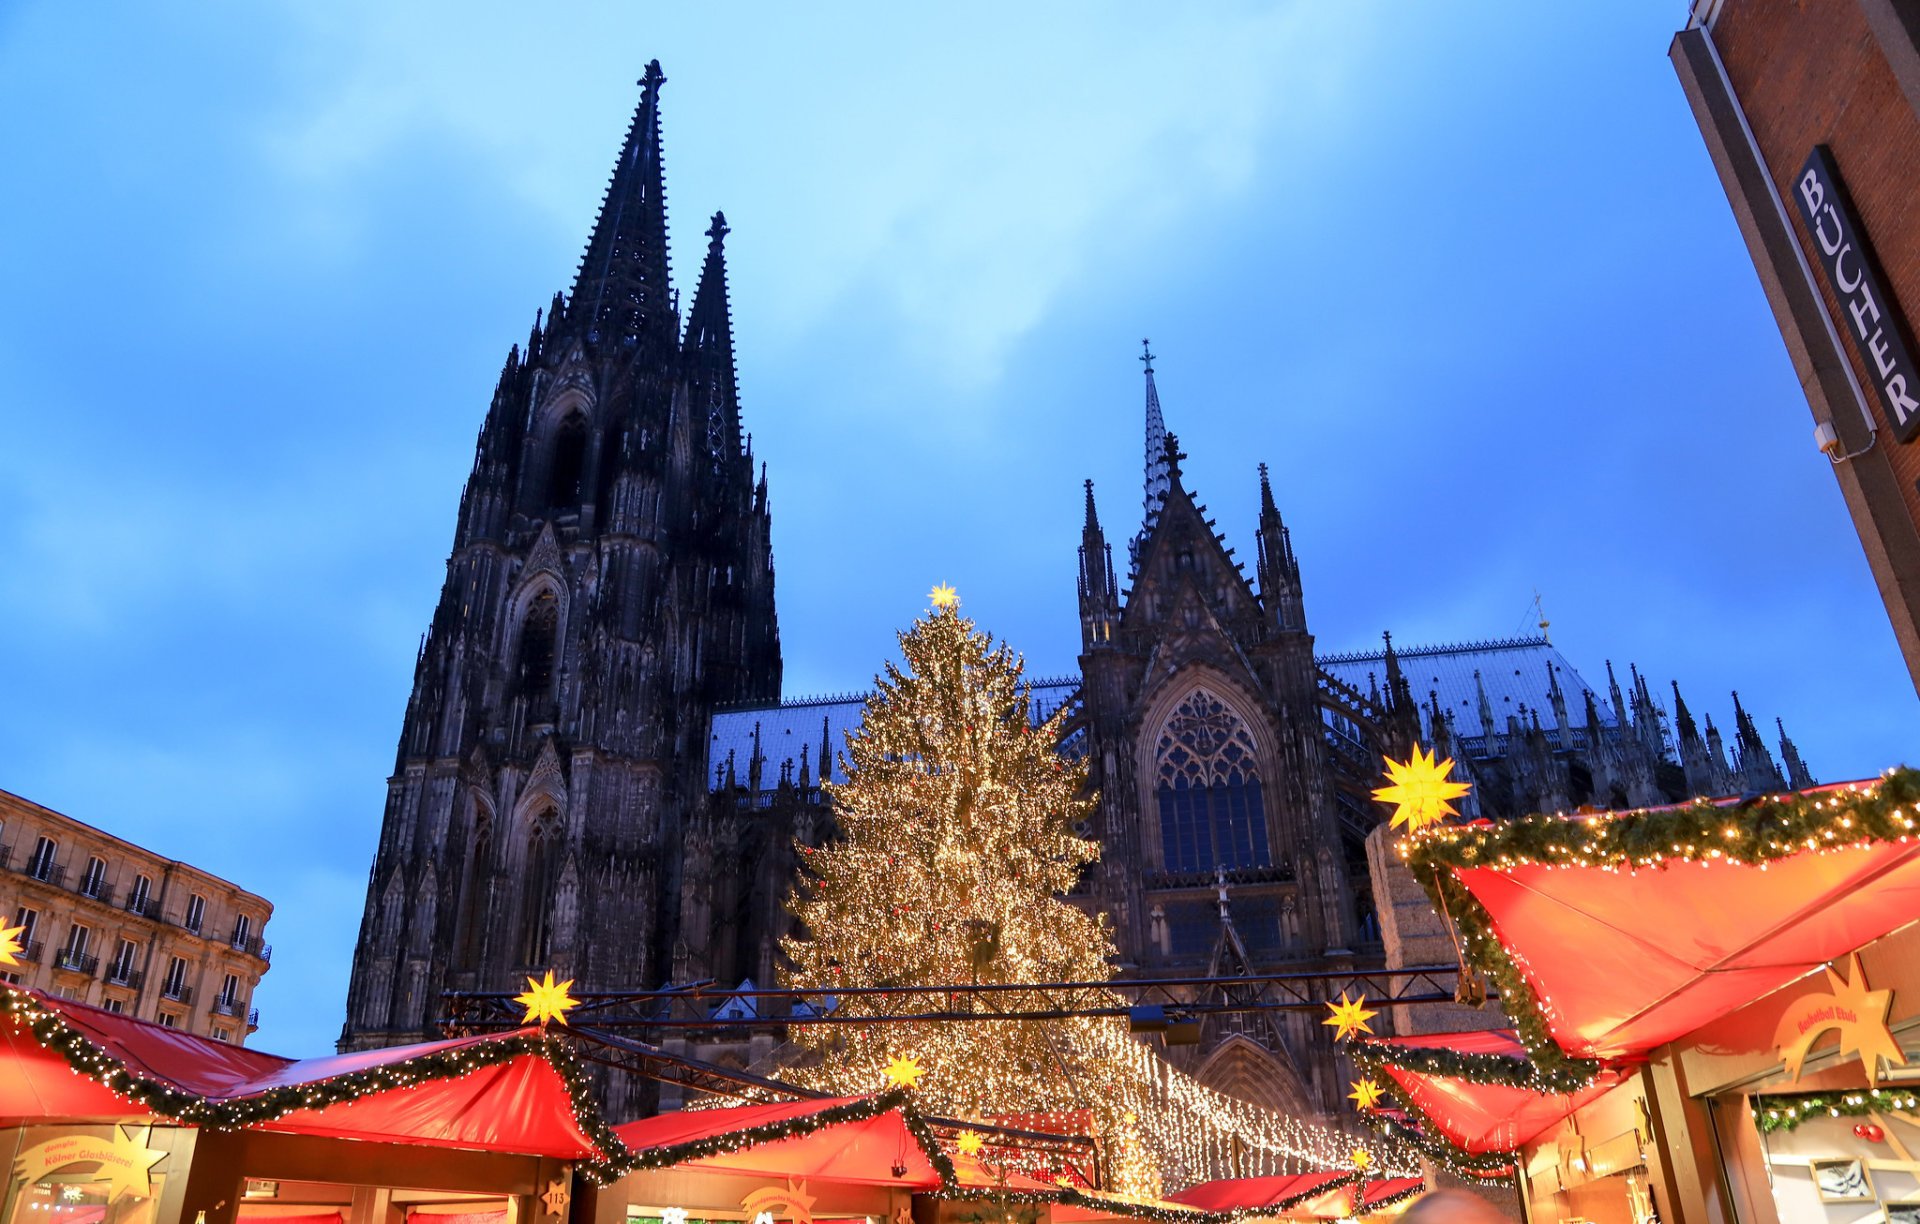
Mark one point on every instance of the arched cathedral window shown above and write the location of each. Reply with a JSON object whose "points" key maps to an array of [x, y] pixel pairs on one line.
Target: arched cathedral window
{"points": [[537, 634], [473, 894], [543, 870], [567, 472], [1207, 783]]}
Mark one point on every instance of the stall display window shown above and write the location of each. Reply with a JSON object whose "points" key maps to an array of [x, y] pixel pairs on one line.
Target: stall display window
{"points": [[85, 1175]]}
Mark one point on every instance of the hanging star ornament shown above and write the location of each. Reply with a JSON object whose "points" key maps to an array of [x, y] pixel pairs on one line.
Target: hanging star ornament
{"points": [[904, 1073], [12, 944], [547, 1000], [970, 1142], [1362, 1159], [1420, 790], [1349, 1017], [1366, 1093], [945, 597], [1858, 1014]]}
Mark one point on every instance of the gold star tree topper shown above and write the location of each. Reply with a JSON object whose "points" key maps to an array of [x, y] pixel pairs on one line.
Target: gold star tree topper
{"points": [[944, 597], [904, 1073], [547, 1000], [1366, 1093], [1420, 790], [1349, 1017], [10, 944]]}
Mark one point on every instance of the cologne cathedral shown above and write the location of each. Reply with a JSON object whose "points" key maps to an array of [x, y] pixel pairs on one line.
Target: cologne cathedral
{"points": [[597, 774]]}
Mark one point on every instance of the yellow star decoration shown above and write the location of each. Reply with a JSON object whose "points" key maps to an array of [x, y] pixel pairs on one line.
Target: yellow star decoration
{"points": [[547, 1000], [1420, 790], [556, 1198], [1349, 1018], [970, 1142], [904, 1073], [1366, 1093], [130, 1169], [1362, 1159], [945, 597], [10, 944]]}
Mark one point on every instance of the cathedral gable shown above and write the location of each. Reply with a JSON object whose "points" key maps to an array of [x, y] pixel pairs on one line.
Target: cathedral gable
{"points": [[1182, 553]]}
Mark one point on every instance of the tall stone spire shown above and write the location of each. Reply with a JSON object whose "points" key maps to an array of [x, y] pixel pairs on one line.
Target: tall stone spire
{"points": [[1276, 566], [708, 347], [1099, 593], [622, 291], [1798, 776], [1158, 473]]}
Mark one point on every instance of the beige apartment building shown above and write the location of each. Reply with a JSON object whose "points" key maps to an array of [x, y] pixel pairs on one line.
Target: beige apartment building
{"points": [[109, 923]]}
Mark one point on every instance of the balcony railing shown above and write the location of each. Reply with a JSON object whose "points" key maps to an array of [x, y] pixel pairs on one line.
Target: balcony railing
{"points": [[75, 962], [141, 904], [125, 975], [50, 870], [251, 945], [253, 1018], [6, 854], [226, 1005], [179, 992], [30, 955], [95, 888]]}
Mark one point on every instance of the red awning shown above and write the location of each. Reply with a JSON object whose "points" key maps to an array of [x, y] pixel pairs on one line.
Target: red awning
{"points": [[517, 1104], [844, 1139], [1625, 961], [1475, 1117], [1387, 1191], [1252, 1195]]}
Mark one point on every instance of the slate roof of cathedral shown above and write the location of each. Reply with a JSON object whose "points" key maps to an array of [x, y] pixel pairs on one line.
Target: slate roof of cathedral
{"points": [[1514, 671]]}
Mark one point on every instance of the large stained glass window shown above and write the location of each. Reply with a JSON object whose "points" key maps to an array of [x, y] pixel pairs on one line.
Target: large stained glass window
{"points": [[1208, 786]]}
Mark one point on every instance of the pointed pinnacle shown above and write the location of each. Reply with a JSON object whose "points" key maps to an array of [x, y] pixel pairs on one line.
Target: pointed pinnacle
{"points": [[718, 231]]}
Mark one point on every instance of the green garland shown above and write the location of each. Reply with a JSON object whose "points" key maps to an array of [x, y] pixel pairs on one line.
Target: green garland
{"points": [[1373, 1055], [86, 1058], [1753, 832], [1782, 1113], [1480, 1166], [1418, 1188]]}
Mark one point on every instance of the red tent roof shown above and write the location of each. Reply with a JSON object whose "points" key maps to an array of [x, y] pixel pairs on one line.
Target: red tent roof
{"points": [[496, 1093], [1255, 1194], [1476, 1117], [848, 1139], [1626, 945]]}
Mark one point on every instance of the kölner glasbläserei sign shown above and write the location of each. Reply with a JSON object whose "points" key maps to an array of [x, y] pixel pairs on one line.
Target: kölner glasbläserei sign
{"points": [[1871, 318]]}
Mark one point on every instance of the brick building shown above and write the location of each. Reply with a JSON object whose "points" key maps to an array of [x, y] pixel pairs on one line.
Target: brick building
{"points": [[109, 923], [1811, 112]]}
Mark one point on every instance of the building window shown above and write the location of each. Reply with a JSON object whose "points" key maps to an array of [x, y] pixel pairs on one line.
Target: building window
{"points": [[175, 984], [11, 979], [74, 954], [139, 896], [169, 1020], [221, 1034], [196, 912], [228, 1000], [115, 1006], [1208, 788], [537, 641], [28, 920], [40, 865], [564, 486], [543, 869], [120, 971], [95, 878], [242, 930]]}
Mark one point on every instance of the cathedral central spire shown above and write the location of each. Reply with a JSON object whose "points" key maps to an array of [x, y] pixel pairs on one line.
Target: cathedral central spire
{"points": [[1156, 482], [623, 287]]}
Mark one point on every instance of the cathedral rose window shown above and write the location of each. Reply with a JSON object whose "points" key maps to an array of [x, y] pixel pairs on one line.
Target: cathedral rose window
{"points": [[1208, 789]]}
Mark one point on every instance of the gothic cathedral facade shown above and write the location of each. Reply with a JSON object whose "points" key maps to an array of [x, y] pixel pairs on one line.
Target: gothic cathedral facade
{"points": [[597, 773]]}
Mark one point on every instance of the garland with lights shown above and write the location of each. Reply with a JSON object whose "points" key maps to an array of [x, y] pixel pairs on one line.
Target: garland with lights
{"points": [[1475, 1068], [1774, 1114], [24, 1009], [1418, 1188], [1477, 1166], [1752, 832]]}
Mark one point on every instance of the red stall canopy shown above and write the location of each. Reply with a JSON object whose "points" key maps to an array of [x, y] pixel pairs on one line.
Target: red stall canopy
{"points": [[1633, 929], [498, 1092], [1258, 1195], [1476, 1117], [858, 1140]]}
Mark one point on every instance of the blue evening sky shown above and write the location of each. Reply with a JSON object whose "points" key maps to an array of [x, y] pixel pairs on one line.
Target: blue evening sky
{"points": [[1462, 274]]}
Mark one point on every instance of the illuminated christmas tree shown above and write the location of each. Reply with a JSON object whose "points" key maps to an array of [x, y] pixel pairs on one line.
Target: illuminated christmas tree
{"points": [[956, 844]]}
